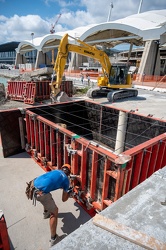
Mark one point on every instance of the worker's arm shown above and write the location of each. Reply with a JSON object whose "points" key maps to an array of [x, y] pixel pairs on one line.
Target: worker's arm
{"points": [[65, 196]]}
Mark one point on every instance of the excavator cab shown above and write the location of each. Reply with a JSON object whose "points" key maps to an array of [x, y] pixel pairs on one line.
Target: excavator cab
{"points": [[119, 75]]}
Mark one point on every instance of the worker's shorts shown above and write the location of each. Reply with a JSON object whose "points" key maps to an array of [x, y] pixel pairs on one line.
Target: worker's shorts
{"points": [[47, 201]]}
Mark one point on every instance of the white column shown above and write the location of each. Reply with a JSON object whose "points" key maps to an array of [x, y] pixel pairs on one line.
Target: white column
{"points": [[121, 132]]}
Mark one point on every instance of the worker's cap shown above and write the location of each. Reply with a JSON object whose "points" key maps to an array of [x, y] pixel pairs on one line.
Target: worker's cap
{"points": [[66, 168]]}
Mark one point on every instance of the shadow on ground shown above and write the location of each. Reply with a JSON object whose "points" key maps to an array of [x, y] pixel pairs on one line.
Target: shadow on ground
{"points": [[67, 227], [138, 98]]}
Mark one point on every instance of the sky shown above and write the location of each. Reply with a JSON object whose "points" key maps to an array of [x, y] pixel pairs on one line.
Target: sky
{"points": [[19, 18]]}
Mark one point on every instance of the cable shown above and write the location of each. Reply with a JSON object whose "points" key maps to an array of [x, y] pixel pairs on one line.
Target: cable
{"points": [[105, 112], [91, 131], [97, 123], [101, 124]]}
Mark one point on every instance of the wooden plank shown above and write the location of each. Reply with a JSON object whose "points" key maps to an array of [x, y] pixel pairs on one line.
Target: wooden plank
{"points": [[128, 233]]}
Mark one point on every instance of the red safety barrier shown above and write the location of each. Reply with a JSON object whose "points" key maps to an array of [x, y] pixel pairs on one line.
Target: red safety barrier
{"points": [[4, 238], [67, 86], [31, 92], [58, 134], [16, 90], [42, 90]]}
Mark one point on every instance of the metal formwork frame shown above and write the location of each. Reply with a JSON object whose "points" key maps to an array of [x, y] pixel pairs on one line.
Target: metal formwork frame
{"points": [[4, 237], [52, 145], [146, 159]]}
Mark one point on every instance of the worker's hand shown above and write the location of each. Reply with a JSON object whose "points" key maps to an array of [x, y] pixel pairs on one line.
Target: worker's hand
{"points": [[70, 192], [73, 176]]}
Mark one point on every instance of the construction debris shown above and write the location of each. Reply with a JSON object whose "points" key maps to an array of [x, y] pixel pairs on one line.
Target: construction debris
{"points": [[2, 94]]}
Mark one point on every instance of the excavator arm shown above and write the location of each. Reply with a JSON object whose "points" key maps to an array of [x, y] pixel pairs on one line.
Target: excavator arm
{"points": [[80, 48]]}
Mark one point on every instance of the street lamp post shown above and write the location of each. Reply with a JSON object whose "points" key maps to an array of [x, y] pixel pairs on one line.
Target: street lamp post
{"points": [[110, 9], [140, 6], [32, 34]]}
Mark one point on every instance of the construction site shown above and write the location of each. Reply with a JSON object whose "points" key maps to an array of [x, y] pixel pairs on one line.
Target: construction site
{"points": [[117, 155], [114, 139], [118, 179]]}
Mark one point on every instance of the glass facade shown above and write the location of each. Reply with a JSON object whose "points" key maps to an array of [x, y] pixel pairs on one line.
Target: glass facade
{"points": [[7, 57]]}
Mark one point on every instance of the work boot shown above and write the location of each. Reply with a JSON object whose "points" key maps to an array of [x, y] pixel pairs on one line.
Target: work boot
{"points": [[52, 242], [46, 215]]}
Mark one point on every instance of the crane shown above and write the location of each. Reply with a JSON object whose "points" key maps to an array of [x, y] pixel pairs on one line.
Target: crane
{"points": [[52, 31]]}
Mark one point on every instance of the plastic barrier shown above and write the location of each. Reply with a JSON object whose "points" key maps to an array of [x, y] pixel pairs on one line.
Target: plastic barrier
{"points": [[78, 133]]}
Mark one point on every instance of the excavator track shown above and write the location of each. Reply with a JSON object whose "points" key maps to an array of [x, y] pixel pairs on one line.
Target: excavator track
{"points": [[112, 95], [97, 92], [121, 94]]}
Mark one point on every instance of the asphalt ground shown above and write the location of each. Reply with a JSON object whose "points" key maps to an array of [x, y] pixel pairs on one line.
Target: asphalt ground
{"points": [[26, 227]]}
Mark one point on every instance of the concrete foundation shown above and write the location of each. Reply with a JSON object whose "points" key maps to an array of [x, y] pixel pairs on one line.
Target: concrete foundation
{"points": [[140, 209]]}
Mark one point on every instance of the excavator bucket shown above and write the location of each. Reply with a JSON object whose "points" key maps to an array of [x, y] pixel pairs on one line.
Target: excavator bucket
{"points": [[61, 97]]}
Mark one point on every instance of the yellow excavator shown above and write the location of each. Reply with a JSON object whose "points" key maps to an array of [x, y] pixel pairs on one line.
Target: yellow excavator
{"points": [[115, 81]]}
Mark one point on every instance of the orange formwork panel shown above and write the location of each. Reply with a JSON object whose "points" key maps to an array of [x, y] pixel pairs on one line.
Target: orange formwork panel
{"points": [[83, 134], [4, 238]]}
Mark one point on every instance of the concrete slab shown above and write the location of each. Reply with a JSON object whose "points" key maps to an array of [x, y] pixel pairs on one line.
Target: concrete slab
{"points": [[140, 209], [147, 102], [26, 227]]}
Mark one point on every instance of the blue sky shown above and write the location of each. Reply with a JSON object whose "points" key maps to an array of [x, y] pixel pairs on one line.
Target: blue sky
{"points": [[43, 8], [19, 18]]}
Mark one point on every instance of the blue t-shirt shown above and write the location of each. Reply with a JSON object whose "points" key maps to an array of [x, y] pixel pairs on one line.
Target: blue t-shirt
{"points": [[51, 181]]}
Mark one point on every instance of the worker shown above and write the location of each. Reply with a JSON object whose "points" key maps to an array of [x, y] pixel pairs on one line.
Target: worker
{"points": [[88, 77], [82, 78], [121, 76], [43, 185]]}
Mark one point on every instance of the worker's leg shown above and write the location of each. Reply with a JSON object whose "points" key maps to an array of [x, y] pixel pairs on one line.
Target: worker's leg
{"points": [[49, 204], [53, 223]]}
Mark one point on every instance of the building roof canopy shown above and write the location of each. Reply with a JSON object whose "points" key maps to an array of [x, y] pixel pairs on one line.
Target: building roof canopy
{"points": [[133, 29]]}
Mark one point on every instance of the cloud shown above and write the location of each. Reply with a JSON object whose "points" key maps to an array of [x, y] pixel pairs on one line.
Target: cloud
{"points": [[18, 28], [74, 14]]}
